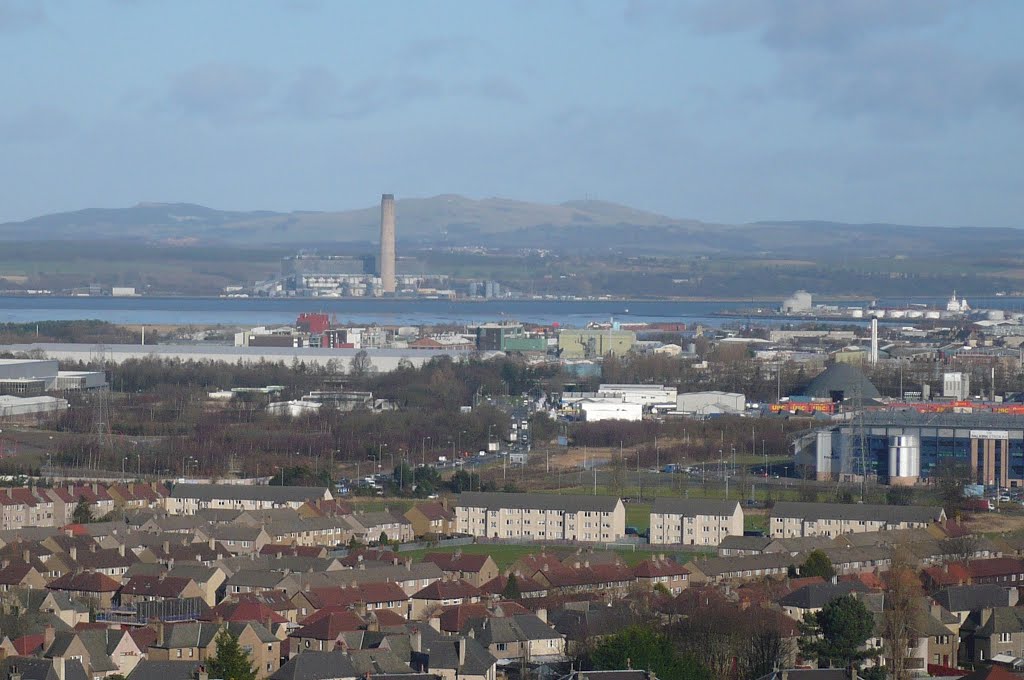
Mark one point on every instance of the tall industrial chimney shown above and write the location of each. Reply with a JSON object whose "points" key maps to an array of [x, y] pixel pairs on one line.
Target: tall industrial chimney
{"points": [[874, 341], [387, 243]]}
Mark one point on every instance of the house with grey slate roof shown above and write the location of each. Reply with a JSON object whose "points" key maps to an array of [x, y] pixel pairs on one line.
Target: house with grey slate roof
{"points": [[791, 519], [187, 499]]}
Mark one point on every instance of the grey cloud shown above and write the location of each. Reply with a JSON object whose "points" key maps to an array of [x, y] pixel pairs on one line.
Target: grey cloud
{"points": [[921, 80], [312, 92], [19, 15], [221, 91], [494, 88], [834, 25], [34, 124], [426, 49]]}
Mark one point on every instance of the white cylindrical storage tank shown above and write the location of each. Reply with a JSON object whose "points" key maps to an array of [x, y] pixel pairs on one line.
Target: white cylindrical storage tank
{"points": [[996, 315], [915, 314], [857, 313], [904, 459], [933, 314], [878, 313], [897, 313]]}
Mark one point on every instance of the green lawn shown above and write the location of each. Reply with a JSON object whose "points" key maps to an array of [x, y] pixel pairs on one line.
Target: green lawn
{"points": [[755, 522], [638, 515]]}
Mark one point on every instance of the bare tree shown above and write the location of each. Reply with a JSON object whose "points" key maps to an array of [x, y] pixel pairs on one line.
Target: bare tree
{"points": [[961, 548], [901, 614]]}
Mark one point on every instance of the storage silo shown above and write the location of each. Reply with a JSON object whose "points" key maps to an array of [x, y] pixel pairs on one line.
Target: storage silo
{"points": [[904, 459]]}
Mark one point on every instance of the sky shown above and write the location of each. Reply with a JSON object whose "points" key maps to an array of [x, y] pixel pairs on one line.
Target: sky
{"points": [[906, 111]]}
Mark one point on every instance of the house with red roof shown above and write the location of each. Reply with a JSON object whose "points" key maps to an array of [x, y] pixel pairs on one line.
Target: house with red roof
{"points": [[455, 619], [293, 550], [527, 587], [320, 631], [440, 594], [367, 555], [88, 586], [939, 577], [151, 587], [612, 579], [20, 575], [659, 571], [1005, 571], [368, 597]]}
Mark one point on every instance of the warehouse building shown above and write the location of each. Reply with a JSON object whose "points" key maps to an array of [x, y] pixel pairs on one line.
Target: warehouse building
{"points": [[29, 408], [381, 360], [711, 402], [904, 447], [34, 377]]}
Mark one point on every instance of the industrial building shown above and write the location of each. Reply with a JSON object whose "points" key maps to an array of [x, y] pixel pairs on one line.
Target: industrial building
{"points": [[29, 408], [34, 377], [594, 343], [596, 409], [903, 447], [381, 360], [711, 402], [507, 337]]}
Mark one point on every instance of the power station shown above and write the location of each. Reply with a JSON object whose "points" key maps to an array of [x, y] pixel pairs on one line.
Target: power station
{"points": [[387, 244]]}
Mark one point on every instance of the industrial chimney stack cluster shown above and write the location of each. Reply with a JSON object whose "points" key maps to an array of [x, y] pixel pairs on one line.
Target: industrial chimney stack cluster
{"points": [[387, 243]]}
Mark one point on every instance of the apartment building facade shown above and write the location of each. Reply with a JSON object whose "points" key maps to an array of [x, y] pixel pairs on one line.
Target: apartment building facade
{"points": [[541, 517], [682, 521]]}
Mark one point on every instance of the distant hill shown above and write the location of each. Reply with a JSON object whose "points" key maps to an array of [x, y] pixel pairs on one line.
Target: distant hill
{"points": [[418, 219], [586, 226]]}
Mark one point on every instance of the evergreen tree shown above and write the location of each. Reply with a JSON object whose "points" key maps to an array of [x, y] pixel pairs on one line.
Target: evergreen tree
{"points": [[231, 661], [511, 589], [836, 634], [642, 647], [383, 538], [83, 512], [818, 564]]}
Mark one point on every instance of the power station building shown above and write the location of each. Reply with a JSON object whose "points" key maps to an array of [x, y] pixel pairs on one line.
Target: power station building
{"points": [[903, 447]]}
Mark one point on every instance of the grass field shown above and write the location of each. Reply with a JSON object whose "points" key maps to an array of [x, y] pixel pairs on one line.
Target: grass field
{"points": [[638, 515]]}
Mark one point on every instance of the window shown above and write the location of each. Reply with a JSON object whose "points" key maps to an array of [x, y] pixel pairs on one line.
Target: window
{"points": [[502, 646], [1004, 637], [179, 653]]}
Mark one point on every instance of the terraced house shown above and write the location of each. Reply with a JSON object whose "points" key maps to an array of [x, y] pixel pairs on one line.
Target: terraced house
{"points": [[188, 499], [541, 517], [792, 520]]}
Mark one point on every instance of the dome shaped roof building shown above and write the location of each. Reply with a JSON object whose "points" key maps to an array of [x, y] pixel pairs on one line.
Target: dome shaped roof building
{"points": [[839, 382]]}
